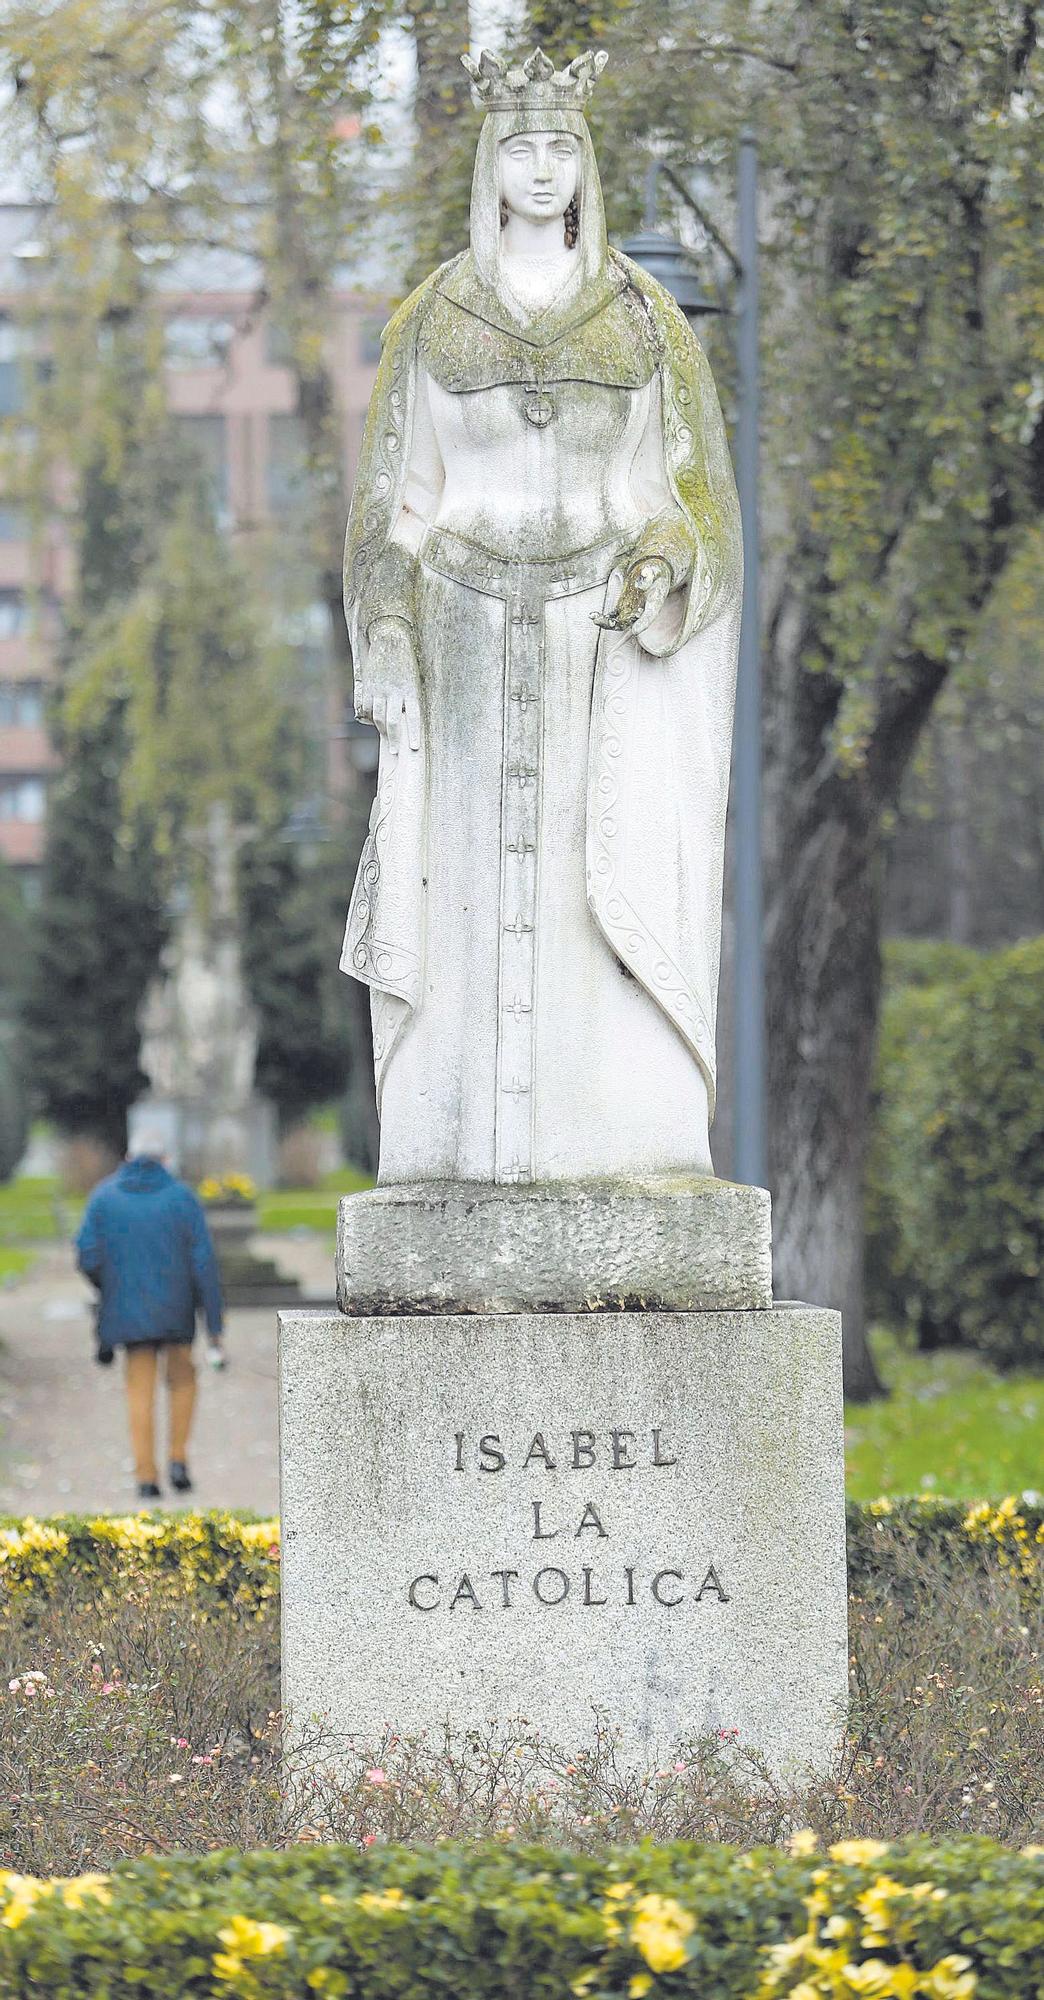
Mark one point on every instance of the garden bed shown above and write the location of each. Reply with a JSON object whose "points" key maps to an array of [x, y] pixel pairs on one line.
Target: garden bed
{"points": [[139, 1693]]}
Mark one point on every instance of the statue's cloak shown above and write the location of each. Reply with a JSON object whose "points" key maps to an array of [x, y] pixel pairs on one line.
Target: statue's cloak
{"points": [[661, 704]]}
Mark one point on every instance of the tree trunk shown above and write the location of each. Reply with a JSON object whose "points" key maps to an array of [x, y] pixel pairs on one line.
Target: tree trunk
{"points": [[823, 979], [300, 279], [959, 836]]}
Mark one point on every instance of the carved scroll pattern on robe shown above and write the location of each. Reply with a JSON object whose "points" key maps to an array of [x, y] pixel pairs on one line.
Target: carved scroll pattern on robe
{"points": [[616, 680]]}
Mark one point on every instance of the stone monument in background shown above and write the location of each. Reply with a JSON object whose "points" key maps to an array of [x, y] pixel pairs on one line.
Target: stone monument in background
{"points": [[199, 1035], [558, 1453]]}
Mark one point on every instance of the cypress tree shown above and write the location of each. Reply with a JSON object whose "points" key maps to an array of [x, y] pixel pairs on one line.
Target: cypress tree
{"points": [[100, 927]]}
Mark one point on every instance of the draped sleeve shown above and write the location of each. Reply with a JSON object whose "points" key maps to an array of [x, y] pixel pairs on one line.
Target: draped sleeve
{"points": [[379, 563], [396, 490], [662, 707], [699, 532]]}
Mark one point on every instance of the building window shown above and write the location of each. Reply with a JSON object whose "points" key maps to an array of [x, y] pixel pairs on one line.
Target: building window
{"points": [[286, 465], [23, 799], [191, 341], [207, 440], [21, 704], [12, 381], [14, 614]]}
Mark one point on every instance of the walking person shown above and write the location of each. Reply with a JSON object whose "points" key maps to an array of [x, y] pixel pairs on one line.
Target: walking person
{"points": [[145, 1245]]}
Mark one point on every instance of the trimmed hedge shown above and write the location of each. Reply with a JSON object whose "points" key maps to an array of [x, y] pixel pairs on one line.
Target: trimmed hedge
{"points": [[955, 1186], [236, 1559], [490, 1922], [231, 1557]]}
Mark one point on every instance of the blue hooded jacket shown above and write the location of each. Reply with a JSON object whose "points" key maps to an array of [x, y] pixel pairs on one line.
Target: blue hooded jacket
{"points": [[144, 1242]]}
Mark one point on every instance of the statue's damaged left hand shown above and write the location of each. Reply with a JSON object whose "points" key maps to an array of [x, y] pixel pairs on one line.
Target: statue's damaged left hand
{"points": [[644, 592], [389, 693]]}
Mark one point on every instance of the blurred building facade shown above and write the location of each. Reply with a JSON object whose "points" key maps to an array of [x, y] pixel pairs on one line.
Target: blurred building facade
{"points": [[229, 382]]}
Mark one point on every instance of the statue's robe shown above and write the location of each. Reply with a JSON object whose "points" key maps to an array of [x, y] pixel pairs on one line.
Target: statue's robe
{"points": [[538, 905]]}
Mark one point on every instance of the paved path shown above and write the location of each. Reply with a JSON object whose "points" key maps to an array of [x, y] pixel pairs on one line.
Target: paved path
{"points": [[63, 1438]]}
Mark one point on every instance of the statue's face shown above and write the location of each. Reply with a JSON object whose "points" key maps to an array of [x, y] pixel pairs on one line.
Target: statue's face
{"points": [[538, 174]]}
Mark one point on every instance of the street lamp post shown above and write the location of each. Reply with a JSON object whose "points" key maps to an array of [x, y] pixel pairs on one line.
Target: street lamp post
{"points": [[667, 260]]}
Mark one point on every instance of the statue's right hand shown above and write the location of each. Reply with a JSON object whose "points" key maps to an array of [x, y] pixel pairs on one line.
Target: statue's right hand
{"points": [[389, 694]]}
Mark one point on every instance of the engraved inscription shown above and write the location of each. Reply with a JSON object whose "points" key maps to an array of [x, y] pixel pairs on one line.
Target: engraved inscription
{"points": [[674, 1584]]}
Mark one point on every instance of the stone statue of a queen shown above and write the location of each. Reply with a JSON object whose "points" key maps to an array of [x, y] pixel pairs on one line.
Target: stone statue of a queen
{"points": [[542, 582]]}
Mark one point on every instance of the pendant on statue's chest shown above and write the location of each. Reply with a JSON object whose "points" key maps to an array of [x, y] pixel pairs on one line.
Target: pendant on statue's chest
{"points": [[538, 408]]}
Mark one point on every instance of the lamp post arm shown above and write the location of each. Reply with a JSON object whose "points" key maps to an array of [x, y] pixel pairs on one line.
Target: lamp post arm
{"points": [[716, 237], [749, 1095]]}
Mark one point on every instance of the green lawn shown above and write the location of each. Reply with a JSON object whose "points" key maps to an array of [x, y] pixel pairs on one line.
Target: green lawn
{"points": [[13, 1262], [308, 1208], [34, 1210], [951, 1425]]}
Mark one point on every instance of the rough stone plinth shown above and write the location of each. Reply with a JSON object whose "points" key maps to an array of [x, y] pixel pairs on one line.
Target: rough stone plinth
{"points": [[549, 1515], [686, 1245]]}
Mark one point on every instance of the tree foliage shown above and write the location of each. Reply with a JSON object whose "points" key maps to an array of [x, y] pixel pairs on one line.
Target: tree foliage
{"points": [[291, 910], [99, 932], [957, 1171]]}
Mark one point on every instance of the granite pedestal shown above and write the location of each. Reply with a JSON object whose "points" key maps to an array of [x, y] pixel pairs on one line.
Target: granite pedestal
{"points": [[495, 1516], [680, 1244]]}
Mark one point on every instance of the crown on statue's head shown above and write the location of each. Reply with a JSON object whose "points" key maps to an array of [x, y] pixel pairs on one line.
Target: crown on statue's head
{"points": [[536, 84]]}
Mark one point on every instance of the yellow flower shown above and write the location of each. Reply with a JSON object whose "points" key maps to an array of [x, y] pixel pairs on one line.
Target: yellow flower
{"points": [[854, 1853], [76, 1889], [616, 1894], [874, 1906], [873, 1977], [783, 1956], [641, 1983], [247, 1939], [660, 1929], [379, 1900], [906, 1981], [584, 1981], [802, 1842], [951, 1978], [23, 1893]]}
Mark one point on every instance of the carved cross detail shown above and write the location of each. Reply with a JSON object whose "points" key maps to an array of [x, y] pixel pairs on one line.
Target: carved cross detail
{"points": [[524, 774], [521, 847], [518, 928], [517, 1172], [516, 1088], [524, 696], [523, 613], [518, 1007]]}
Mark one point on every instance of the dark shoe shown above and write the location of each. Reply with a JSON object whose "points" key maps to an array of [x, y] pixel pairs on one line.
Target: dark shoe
{"points": [[179, 1476], [148, 1490]]}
